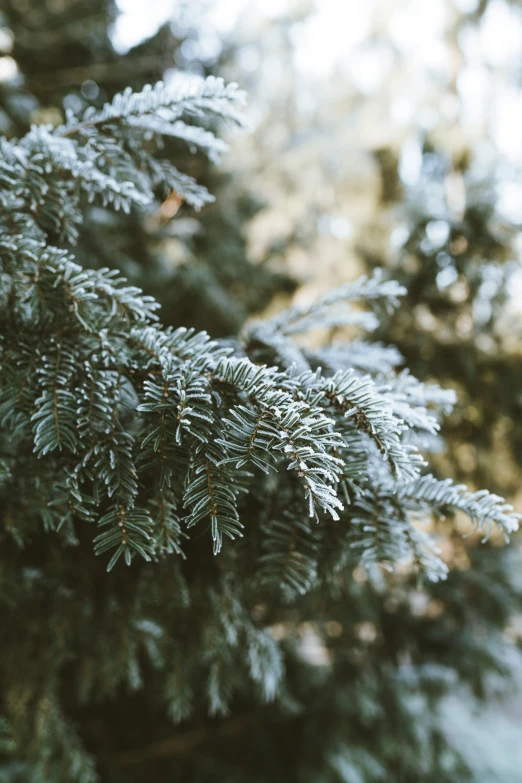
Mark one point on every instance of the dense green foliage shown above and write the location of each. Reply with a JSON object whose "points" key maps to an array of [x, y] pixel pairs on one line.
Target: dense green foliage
{"points": [[148, 433], [270, 499], [197, 266]]}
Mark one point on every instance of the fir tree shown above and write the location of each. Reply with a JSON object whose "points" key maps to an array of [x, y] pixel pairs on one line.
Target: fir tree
{"points": [[147, 445], [289, 653]]}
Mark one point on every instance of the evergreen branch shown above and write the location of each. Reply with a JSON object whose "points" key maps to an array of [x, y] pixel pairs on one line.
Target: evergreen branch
{"points": [[141, 420], [293, 429], [192, 97], [163, 173], [289, 555], [483, 508], [359, 401], [167, 532], [196, 138], [128, 532], [410, 400], [370, 290], [372, 358], [211, 493]]}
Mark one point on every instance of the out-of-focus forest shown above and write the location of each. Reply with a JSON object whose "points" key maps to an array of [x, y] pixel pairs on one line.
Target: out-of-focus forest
{"points": [[384, 133]]}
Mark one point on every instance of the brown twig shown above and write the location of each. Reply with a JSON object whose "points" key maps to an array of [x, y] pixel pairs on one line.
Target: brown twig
{"points": [[184, 742]]}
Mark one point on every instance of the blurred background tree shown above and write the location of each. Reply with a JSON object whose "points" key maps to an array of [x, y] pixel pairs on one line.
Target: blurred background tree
{"points": [[386, 135]]}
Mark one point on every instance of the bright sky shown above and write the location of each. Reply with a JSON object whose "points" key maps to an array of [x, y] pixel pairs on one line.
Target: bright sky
{"points": [[333, 35], [140, 19]]}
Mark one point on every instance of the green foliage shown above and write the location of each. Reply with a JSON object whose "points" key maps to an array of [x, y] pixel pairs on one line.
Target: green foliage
{"points": [[151, 446], [197, 267], [117, 400]]}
